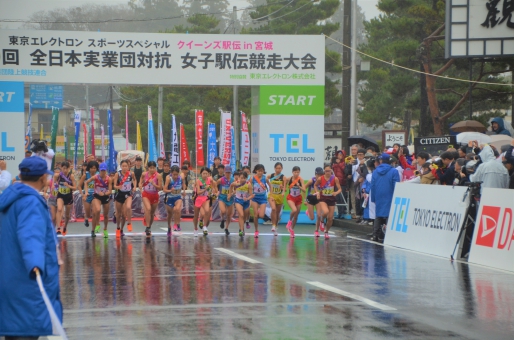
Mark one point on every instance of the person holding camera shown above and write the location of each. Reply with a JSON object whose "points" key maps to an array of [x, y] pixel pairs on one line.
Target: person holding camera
{"points": [[445, 175], [40, 149], [491, 173], [5, 176]]}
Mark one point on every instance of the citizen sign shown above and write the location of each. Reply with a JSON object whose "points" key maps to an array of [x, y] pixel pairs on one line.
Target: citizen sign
{"points": [[495, 228]]}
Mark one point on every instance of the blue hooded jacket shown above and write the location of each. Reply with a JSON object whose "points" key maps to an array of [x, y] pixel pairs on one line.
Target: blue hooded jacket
{"points": [[382, 188], [501, 127], [27, 240]]}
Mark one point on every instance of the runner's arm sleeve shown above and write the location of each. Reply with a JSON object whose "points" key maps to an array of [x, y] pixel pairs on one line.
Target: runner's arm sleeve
{"points": [[30, 238]]}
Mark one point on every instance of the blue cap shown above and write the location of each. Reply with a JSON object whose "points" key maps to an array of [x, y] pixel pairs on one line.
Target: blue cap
{"points": [[319, 171], [385, 157], [228, 169], [34, 166], [103, 166]]}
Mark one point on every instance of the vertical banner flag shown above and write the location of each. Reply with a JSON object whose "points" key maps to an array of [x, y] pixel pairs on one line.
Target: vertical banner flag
{"points": [[28, 133], [184, 150], [65, 143], [152, 148], [139, 143], [211, 141], [92, 131], [175, 156], [77, 133], [103, 142], [85, 140], [199, 142], [126, 128], [41, 132], [245, 141], [225, 138], [55, 126], [112, 157], [233, 149], [161, 143]]}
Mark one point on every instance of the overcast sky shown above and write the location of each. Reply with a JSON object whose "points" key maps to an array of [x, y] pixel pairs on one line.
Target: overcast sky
{"points": [[22, 9]]}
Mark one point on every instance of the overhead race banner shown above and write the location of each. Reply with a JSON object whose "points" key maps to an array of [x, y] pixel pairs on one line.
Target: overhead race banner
{"points": [[12, 135], [426, 218], [493, 239], [161, 58]]}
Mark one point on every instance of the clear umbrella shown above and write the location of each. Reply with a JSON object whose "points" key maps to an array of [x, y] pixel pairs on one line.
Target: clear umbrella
{"points": [[465, 137]]}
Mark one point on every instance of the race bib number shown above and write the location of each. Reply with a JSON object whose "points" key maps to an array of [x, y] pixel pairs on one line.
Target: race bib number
{"points": [[64, 190], [328, 191], [295, 191], [127, 186], [224, 191]]}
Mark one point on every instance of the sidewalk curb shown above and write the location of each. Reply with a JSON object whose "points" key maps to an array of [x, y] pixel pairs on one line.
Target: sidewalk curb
{"points": [[350, 225]]}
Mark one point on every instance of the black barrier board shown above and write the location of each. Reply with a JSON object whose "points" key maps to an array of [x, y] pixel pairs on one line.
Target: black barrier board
{"points": [[434, 145]]}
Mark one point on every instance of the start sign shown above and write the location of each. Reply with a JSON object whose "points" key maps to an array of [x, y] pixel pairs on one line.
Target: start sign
{"points": [[12, 129]]}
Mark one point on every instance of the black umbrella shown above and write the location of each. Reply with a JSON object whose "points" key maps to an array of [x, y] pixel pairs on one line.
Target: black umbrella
{"points": [[364, 140]]}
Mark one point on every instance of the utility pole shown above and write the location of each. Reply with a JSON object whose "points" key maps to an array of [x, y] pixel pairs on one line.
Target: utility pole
{"points": [[346, 83], [236, 103], [159, 107], [353, 111], [88, 115]]}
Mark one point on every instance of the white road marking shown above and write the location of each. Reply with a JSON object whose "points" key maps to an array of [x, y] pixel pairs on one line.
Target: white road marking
{"points": [[236, 255], [180, 233], [351, 295]]}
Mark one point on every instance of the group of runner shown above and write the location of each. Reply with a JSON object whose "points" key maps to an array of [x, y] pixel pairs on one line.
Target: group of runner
{"points": [[236, 192]]}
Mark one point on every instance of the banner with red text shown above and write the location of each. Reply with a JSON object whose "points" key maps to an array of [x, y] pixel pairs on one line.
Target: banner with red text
{"points": [[225, 138], [199, 134], [245, 141], [184, 151]]}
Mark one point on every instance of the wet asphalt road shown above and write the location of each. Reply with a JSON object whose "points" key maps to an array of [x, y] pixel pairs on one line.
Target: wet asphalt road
{"points": [[219, 287]]}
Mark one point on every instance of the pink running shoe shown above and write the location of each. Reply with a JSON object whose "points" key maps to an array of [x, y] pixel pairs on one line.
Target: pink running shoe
{"points": [[288, 226], [316, 234], [256, 235], [321, 226], [326, 236], [175, 227], [291, 232]]}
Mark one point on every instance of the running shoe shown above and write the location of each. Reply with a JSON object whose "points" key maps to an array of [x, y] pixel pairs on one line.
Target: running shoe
{"points": [[316, 234], [178, 227], [291, 232], [321, 226], [195, 232], [175, 227], [129, 227], [114, 218], [118, 233], [106, 234], [64, 232], [241, 233], [256, 234], [148, 232], [169, 232], [247, 225], [93, 233], [273, 229], [205, 231], [288, 226], [97, 229], [326, 236], [201, 223], [86, 222], [122, 233], [227, 232], [59, 231], [222, 224]]}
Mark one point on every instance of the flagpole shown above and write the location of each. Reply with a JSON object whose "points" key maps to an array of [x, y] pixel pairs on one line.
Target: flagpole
{"points": [[126, 128], [180, 145], [196, 148]]}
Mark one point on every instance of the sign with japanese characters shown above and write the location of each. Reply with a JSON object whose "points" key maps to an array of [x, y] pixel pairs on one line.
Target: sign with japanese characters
{"points": [[46, 96], [161, 58], [391, 137], [479, 28]]}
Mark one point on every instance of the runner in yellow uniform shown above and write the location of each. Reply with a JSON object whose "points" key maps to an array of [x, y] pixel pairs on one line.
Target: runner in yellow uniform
{"points": [[276, 183]]}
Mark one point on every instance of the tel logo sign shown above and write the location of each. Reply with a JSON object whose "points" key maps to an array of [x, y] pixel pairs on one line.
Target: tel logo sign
{"points": [[495, 228], [401, 210], [294, 144]]}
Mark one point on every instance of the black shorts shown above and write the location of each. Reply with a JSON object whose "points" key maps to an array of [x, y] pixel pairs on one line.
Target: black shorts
{"points": [[66, 198], [330, 201], [121, 196], [103, 199], [312, 199]]}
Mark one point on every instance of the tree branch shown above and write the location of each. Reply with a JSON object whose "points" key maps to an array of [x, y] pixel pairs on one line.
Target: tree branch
{"points": [[435, 34], [483, 88], [449, 90], [445, 67]]}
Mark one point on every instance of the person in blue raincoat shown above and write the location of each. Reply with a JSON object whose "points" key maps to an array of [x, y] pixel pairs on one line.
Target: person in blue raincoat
{"points": [[498, 127], [27, 243], [383, 182]]}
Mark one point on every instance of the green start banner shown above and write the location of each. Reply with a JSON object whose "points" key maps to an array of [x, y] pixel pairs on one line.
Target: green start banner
{"points": [[292, 100]]}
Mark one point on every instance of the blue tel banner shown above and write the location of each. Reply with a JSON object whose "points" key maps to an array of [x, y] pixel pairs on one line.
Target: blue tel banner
{"points": [[211, 142], [12, 127], [112, 153], [233, 153]]}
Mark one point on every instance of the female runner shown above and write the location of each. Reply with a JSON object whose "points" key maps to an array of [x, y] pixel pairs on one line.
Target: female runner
{"points": [[276, 183], [204, 189], [294, 199], [226, 199], [312, 201], [326, 194], [259, 196], [175, 187], [125, 184], [242, 189], [53, 187], [88, 191], [64, 196], [150, 184], [101, 198]]}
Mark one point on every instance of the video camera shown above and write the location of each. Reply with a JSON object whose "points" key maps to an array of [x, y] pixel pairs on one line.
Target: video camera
{"points": [[38, 146]]}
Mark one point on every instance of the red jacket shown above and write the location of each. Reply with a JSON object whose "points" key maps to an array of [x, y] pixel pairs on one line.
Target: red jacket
{"points": [[338, 169]]}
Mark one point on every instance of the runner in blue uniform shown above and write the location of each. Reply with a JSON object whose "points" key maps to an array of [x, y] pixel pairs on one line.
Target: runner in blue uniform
{"points": [[175, 187], [260, 198]]}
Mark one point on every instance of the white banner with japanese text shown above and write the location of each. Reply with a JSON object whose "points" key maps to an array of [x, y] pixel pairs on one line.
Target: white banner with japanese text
{"points": [[163, 59]]}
